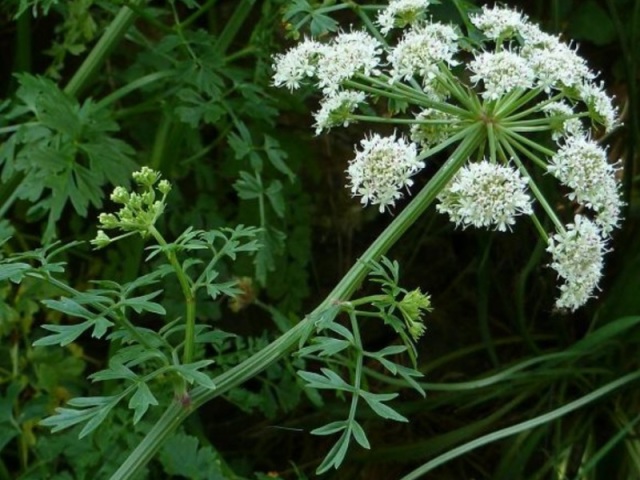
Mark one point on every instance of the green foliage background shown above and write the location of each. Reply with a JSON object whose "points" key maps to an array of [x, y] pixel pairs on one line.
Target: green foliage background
{"points": [[186, 91]]}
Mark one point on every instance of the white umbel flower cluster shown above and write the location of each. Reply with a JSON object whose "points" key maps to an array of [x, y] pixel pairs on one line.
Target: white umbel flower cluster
{"points": [[498, 23], [485, 194], [556, 65], [400, 13], [582, 165], [336, 109], [333, 63], [382, 169], [420, 51], [600, 104], [348, 54], [296, 65], [562, 123], [552, 63], [501, 72], [577, 256]]}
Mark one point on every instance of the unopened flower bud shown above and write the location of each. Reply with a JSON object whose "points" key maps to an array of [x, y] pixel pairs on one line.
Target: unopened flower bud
{"points": [[108, 220], [146, 176], [120, 195], [412, 306], [101, 240], [164, 187]]}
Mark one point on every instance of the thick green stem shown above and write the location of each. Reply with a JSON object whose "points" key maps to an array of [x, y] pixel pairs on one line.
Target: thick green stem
{"points": [[234, 25], [111, 37], [176, 412]]}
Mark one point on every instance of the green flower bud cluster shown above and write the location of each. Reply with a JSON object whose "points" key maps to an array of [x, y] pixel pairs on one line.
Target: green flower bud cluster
{"points": [[139, 210], [413, 306]]}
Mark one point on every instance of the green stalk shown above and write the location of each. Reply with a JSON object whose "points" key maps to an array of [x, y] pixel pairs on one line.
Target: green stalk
{"points": [[521, 427], [233, 25], [111, 37], [533, 187], [176, 412], [133, 86], [201, 11], [187, 291], [400, 121]]}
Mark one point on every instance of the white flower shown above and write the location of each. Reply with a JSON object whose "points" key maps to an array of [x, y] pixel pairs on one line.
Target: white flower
{"points": [[534, 37], [600, 104], [501, 72], [577, 257], [564, 125], [609, 202], [400, 13], [556, 64], [297, 64], [382, 169], [429, 135], [582, 165], [348, 54], [498, 22], [484, 194], [336, 109], [421, 49]]}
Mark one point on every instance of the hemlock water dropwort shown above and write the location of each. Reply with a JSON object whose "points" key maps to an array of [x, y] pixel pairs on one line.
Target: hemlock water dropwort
{"points": [[441, 85]]}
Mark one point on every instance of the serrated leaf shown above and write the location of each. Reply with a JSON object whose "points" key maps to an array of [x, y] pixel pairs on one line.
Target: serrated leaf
{"points": [[407, 374], [86, 402], [325, 346], [272, 241], [141, 400], [329, 380], [342, 331], [375, 402], [326, 317], [359, 435], [94, 415], [216, 337], [144, 304], [191, 374], [100, 326], [248, 186], [274, 194], [116, 371], [95, 421], [226, 288], [65, 334], [330, 428], [13, 271], [336, 455], [389, 365], [321, 24], [196, 108], [67, 417], [391, 350], [133, 355], [277, 156], [69, 307], [181, 456]]}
